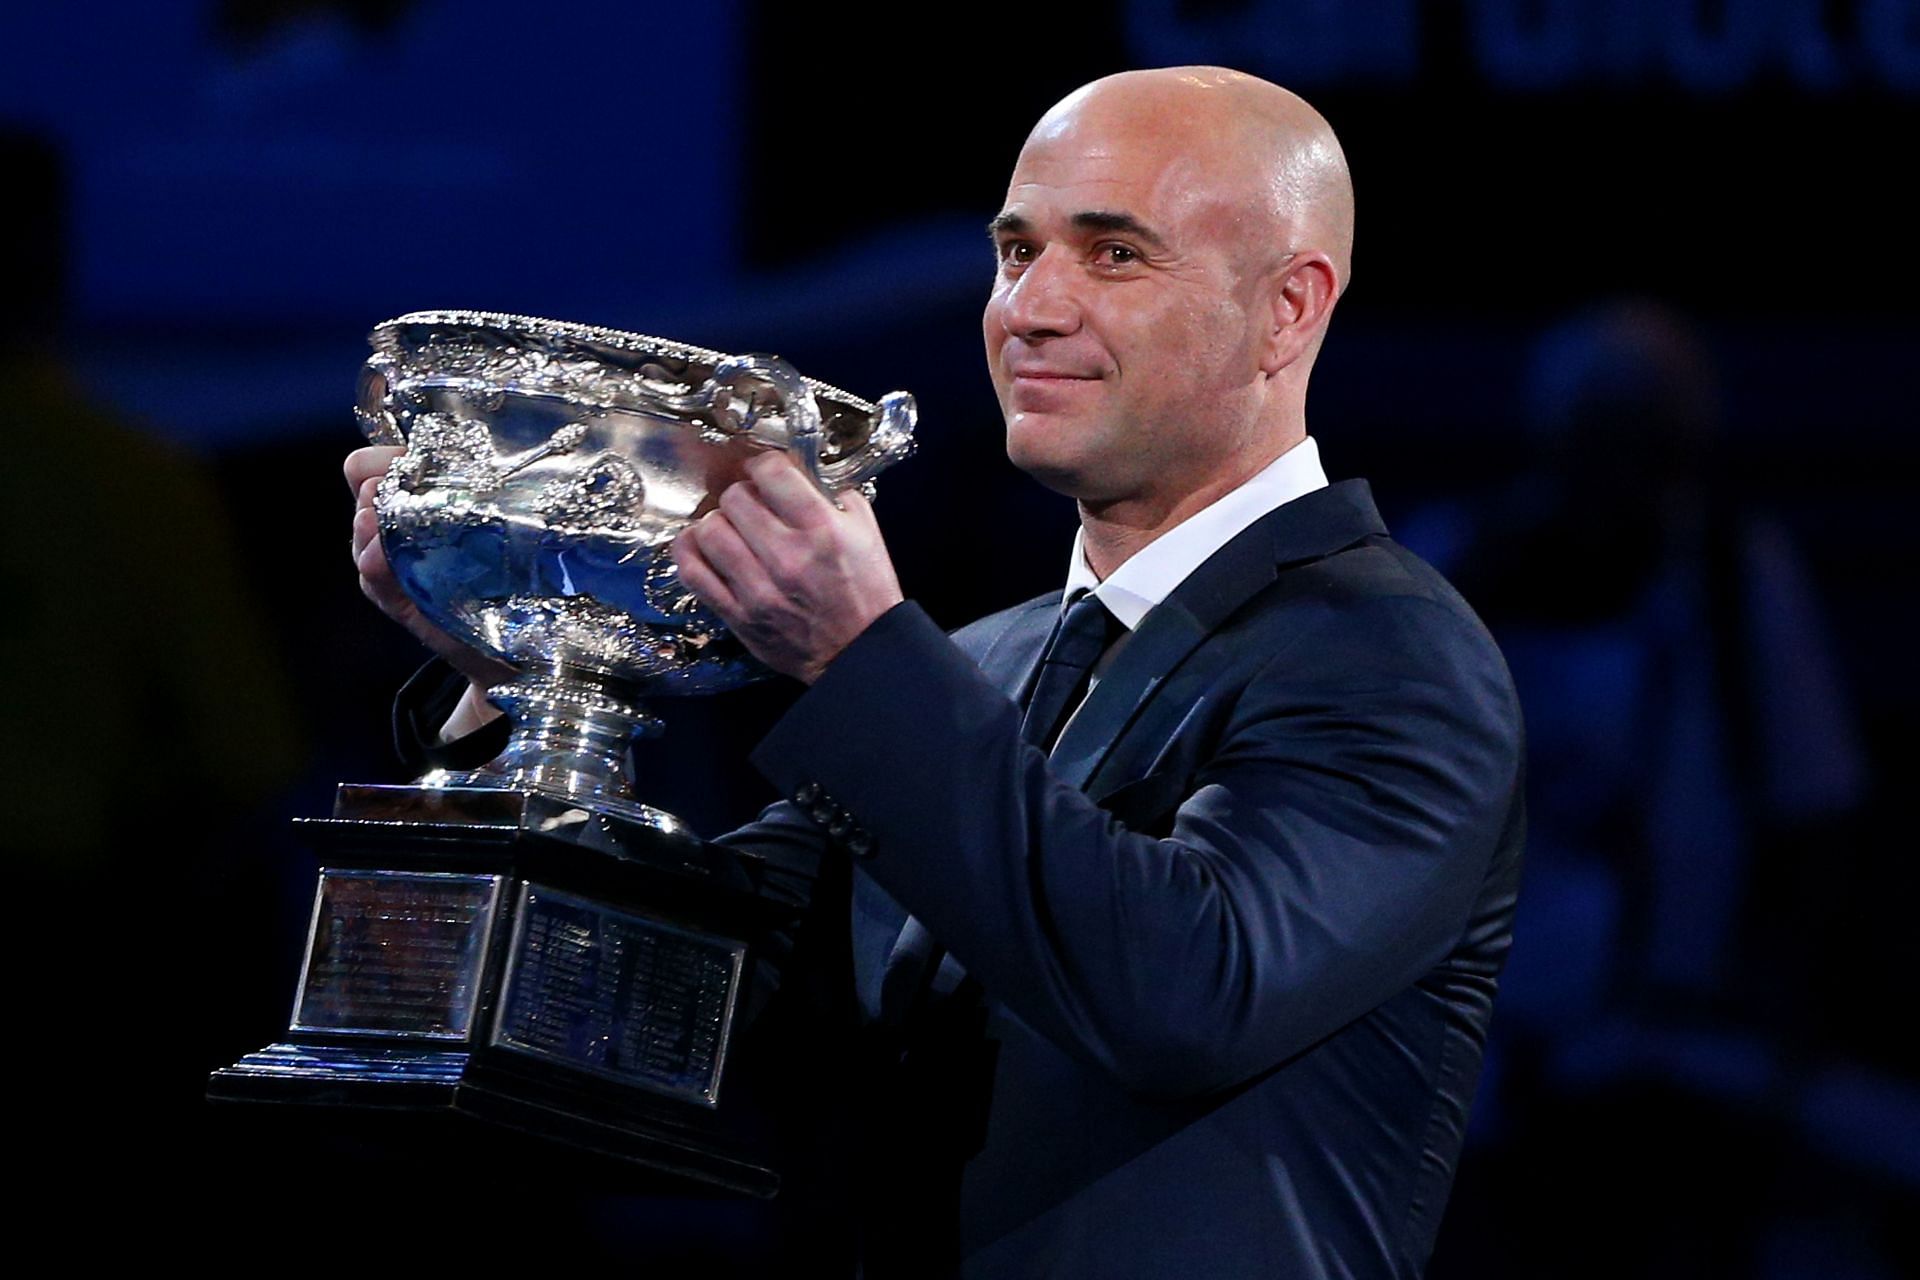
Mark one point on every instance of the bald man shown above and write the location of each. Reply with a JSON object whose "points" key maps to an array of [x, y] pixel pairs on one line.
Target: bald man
{"points": [[1232, 919], [1177, 897]]}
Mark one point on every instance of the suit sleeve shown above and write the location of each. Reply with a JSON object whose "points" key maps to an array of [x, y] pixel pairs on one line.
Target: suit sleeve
{"points": [[1325, 853]]}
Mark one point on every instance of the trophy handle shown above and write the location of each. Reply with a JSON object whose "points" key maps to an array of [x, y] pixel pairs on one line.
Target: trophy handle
{"points": [[889, 441], [729, 400], [797, 428], [370, 410]]}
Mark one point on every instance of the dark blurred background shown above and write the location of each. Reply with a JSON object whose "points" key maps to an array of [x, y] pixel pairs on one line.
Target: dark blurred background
{"points": [[1634, 299]]}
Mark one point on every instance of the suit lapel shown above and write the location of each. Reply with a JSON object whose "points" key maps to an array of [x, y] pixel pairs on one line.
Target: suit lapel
{"points": [[1149, 661], [1308, 528], [1013, 656]]}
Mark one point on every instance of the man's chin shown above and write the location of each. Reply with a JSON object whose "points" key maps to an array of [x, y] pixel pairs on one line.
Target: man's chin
{"points": [[1059, 475]]}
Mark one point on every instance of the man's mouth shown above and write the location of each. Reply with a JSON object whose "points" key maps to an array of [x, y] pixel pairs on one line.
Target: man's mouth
{"points": [[1052, 375], [1047, 390]]}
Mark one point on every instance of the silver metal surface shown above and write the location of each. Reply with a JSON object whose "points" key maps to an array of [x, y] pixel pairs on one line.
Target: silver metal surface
{"points": [[548, 468]]}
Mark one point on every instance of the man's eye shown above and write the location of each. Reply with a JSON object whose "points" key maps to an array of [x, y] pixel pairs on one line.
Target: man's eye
{"points": [[1016, 252], [1116, 255]]}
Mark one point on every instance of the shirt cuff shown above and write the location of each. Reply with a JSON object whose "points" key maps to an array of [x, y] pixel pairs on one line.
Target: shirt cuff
{"points": [[420, 709]]}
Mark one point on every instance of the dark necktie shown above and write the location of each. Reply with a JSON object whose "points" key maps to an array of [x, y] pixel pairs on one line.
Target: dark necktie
{"points": [[1066, 668]]}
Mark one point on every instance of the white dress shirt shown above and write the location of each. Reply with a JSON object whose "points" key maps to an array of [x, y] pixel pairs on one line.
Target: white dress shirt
{"points": [[1150, 574]]}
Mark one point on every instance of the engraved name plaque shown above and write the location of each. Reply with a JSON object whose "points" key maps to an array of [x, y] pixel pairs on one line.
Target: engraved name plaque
{"points": [[396, 953], [618, 994]]}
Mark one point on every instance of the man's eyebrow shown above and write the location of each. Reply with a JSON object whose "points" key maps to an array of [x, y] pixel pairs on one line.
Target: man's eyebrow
{"points": [[1087, 220], [1126, 223], [1007, 224]]}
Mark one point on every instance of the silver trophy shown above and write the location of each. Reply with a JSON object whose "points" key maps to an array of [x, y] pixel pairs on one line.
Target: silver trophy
{"points": [[548, 468], [526, 944]]}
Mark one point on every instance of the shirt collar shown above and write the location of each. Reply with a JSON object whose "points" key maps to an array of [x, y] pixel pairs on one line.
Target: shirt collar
{"points": [[1150, 574]]}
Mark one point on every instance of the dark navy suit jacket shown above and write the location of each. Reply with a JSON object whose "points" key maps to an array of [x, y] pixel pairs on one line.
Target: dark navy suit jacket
{"points": [[1233, 946]]}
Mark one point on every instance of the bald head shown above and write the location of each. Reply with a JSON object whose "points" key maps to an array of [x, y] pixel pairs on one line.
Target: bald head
{"points": [[1257, 143], [1170, 249]]}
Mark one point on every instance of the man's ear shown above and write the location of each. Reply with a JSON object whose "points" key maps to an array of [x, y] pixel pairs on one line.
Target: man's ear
{"points": [[1303, 291]]}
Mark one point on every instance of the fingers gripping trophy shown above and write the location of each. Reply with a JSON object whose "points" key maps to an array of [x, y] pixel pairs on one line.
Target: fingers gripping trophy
{"points": [[528, 942]]}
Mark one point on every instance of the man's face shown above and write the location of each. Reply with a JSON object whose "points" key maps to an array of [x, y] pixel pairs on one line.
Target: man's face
{"points": [[1121, 332]]}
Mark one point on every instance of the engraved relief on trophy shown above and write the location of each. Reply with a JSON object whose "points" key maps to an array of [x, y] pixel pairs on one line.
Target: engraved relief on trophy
{"points": [[548, 468]]}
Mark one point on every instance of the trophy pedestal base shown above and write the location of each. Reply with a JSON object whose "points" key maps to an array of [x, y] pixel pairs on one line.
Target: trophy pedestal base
{"points": [[514, 959], [439, 1084]]}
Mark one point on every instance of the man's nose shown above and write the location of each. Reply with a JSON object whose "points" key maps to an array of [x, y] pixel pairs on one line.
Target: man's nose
{"points": [[1044, 301]]}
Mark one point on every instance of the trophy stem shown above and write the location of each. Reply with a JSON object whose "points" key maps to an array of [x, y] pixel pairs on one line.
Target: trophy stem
{"points": [[571, 732]]}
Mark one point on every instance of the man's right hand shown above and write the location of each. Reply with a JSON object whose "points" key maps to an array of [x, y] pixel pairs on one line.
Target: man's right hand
{"points": [[364, 468]]}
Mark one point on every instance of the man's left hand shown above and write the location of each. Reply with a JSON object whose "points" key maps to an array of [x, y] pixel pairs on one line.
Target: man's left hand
{"points": [[794, 576]]}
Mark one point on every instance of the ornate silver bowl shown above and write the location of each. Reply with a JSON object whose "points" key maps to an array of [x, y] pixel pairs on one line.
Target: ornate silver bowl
{"points": [[548, 468]]}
